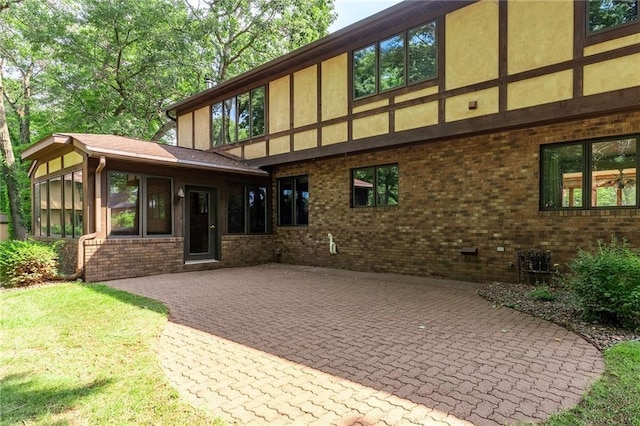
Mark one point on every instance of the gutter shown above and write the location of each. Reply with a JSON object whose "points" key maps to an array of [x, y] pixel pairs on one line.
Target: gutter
{"points": [[98, 222]]}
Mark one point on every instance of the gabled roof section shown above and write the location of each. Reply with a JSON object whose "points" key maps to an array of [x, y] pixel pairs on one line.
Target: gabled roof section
{"points": [[119, 147], [404, 14]]}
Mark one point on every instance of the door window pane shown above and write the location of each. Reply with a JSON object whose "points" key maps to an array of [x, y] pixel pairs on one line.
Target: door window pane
{"points": [[198, 222]]}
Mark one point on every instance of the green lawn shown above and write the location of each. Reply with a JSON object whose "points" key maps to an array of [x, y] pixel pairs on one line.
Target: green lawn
{"points": [[615, 398], [83, 355]]}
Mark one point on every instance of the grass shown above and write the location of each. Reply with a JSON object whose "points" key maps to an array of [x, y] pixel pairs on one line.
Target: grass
{"points": [[75, 354], [615, 398]]}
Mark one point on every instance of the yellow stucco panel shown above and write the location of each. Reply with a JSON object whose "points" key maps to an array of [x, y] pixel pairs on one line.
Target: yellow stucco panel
{"points": [[421, 115], [336, 133], [185, 130], [280, 145], [540, 33], [237, 151], [335, 87], [616, 43], [373, 125], [416, 94], [279, 108], [305, 140], [55, 165], [614, 74], [457, 107], [201, 132], [540, 90], [305, 96], [255, 150], [472, 44], [41, 170], [71, 159], [370, 106]]}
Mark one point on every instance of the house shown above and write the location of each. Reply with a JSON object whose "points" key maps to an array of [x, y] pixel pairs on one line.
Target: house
{"points": [[433, 138]]}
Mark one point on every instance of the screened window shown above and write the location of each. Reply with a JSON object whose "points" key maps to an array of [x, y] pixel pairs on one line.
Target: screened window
{"points": [[590, 174], [128, 216], [124, 205], [238, 118], [247, 209], [293, 201], [604, 14], [406, 58], [57, 206], [375, 186]]}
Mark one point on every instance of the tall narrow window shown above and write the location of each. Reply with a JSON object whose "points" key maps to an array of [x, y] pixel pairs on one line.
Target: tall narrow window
{"points": [[244, 116], [124, 203], [78, 221], [604, 14], [375, 186], [44, 208], [158, 195], [37, 210], [230, 123], [235, 209], [423, 53], [293, 201], [562, 176], [364, 72], [257, 207], [56, 222], [67, 214], [257, 111], [392, 60], [217, 125]]}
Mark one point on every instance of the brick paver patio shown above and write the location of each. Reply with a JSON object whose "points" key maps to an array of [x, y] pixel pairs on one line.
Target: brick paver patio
{"points": [[280, 344]]}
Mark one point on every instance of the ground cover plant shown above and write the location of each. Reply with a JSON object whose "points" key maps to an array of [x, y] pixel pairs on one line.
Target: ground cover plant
{"points": [[83, 354]]}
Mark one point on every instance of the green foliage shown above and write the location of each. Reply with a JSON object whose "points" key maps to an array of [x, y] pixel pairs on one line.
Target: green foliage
{"points": [[26, 262], [615, 398], [607, 283], [542, 293]]}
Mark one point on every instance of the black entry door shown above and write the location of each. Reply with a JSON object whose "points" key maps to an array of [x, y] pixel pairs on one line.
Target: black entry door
{"points": [[201, 234]]}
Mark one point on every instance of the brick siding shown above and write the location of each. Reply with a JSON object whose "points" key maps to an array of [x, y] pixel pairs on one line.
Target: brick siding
{"points": [[480, 191]]}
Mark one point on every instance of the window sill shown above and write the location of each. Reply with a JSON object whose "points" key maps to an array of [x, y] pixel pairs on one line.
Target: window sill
{"points": [[631, 211]]}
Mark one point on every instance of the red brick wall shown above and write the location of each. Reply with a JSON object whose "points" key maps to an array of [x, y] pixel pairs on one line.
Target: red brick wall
{"points": [[480, 191]]}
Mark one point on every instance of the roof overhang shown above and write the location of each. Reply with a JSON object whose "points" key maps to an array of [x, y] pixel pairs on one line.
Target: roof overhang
{"points": [[137, 151]]}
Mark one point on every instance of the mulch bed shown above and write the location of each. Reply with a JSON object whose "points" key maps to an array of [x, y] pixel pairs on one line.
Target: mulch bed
{"points": [[564, 311]]}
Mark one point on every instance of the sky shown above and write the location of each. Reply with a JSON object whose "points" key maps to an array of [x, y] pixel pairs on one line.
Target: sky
{"points": [[350, 11]]}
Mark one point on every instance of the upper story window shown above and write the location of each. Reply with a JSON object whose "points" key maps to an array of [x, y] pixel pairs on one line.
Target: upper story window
{"points": [[604, 14], [375, 186], [590, 174], [247, 209], [293, 201], [406, 58], [139, 205], [238, 118]]}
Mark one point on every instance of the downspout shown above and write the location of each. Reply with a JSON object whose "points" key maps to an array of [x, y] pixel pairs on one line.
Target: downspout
{"points": [[98, 222]]}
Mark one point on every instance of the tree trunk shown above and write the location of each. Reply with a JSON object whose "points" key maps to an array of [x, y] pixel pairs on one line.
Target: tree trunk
{"points": [[163, 130], [9, 170]]}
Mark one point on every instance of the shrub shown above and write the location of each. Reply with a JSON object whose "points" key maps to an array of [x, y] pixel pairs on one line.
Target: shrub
{"points": [[607, 283], [26, 262], [542, 293]]}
